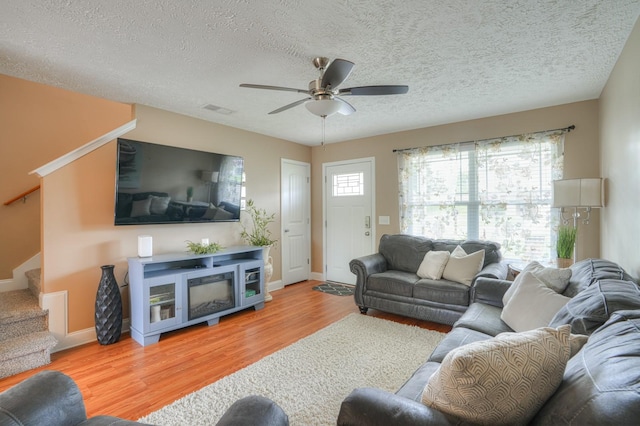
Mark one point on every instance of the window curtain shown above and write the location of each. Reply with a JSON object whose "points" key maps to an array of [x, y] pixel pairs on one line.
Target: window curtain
{"points": [[496, 189], [229, 186]]}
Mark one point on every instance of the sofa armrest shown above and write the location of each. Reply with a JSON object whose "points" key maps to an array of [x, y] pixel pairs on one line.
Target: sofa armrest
{"points": [[362, 267], [489, 291], [254, 410], [47, 398], [373, 407], [496, 270]]}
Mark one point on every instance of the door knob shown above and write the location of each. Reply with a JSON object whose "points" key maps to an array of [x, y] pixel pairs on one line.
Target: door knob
{"points": [[367, 233]]}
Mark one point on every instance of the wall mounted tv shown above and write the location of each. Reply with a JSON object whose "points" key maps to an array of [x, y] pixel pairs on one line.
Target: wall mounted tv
{"points": [[159, 184]]}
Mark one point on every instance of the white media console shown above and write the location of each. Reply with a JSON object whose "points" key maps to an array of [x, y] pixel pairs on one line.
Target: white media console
{"points": [[171, 291]]}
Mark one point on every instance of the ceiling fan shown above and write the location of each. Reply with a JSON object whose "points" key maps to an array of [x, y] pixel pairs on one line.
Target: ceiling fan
{"points": [[323, 93]]}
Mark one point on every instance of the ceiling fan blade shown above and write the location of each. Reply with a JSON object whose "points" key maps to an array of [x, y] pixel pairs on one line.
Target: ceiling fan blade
{"points": [[346, 108], [286, 107], [261, 86], [374, 90], [336, 73]]}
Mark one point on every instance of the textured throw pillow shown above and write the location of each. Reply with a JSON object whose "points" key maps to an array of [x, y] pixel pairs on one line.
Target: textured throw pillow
{"points": [[463, 267], [554, 278], [222, 214], [159, 205], [433, 264], [504, 380], [141, 208], [210, 213], [533, 304]]}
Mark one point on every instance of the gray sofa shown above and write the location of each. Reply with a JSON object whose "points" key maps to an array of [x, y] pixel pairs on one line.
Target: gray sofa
{"points": [[387, 280], [52, 398], [600, 385]]}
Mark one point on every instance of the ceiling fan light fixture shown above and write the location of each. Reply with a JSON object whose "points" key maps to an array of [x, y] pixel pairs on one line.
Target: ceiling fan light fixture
{"points": [[323, 107]]}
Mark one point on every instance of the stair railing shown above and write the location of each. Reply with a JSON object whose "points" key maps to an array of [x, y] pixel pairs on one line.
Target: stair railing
{"points": [[22, 196]]}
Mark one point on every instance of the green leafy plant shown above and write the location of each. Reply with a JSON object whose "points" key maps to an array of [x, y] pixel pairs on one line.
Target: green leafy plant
{"points": [[199, 248], [566, 241], [259, 235], [190, 192]]}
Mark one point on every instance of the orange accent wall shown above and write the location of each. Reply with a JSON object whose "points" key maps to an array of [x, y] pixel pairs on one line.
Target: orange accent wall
{"points": [[38, 124]]}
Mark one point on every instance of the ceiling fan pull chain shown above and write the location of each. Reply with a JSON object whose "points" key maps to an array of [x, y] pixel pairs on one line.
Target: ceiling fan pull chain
{"points": [[324, 118]]}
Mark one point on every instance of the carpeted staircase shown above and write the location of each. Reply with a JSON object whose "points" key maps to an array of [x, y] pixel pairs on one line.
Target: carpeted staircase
{"points": [[25, 341]]}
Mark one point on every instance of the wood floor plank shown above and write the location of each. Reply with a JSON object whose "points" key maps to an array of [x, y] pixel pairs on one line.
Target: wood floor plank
{"points": [[129, 381]]}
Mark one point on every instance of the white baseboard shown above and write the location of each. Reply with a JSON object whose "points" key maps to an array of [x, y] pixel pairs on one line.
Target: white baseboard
{"points": [[274, 285], [10, 285], [318, 276], [57, 305], [19, 277]]}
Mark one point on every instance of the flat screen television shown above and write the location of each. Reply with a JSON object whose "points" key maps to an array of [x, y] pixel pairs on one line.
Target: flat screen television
{"points": [[159, 184]]}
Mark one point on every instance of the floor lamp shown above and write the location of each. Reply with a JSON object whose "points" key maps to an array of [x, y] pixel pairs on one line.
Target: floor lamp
{"points": [[581, 195]]}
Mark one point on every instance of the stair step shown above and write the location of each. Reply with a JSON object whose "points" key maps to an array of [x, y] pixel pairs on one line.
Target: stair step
{"points": [[26, 352], [33, 278], [20, 315]]}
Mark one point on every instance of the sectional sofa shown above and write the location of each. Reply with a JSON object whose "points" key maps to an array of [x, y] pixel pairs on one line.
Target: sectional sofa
{"points": [[583, 368]]}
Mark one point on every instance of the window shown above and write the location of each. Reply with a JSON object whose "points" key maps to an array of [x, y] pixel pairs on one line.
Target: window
{"points": [[498, 190]]}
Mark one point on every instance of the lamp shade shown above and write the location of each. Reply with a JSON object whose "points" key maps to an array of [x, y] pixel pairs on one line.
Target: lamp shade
{"points": [[584, 192], [323, 107], [209, 176]]}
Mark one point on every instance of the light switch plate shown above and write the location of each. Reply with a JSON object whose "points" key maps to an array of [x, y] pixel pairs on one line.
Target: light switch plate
{"points": [[383, 220]]}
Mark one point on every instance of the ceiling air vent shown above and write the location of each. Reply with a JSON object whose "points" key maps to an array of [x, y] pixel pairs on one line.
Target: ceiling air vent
{"points": [[218, 109]]}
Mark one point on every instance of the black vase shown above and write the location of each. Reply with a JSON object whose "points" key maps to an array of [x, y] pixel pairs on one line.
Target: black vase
{"points": [[108, 308]]}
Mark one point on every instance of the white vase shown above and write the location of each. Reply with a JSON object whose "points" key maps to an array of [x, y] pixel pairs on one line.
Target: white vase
{"points": [[268, 271]]}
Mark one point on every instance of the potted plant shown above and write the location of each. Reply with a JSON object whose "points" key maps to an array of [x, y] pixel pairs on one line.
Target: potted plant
{"points": [[259, 235], [565, 245], [189, 194]]}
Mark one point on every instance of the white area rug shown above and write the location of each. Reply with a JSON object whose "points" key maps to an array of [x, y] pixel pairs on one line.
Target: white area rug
{"points": [[310, 378]]}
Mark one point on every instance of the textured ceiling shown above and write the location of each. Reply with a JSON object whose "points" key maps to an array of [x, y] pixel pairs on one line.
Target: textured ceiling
{"points": [[461, 59]]}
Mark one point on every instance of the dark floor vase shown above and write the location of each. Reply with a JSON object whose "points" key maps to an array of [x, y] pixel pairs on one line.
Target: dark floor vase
{"points": [[108, 308]]}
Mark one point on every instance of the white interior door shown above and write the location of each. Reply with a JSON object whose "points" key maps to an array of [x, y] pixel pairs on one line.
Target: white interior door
{"points": [[296, 223], [349, 216]]}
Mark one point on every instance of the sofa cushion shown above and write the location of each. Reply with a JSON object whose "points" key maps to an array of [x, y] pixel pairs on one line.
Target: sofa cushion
{"points": [[601, 384], [392, 282], [455, 338], [588, 271], [554, 278], [491, 249], [504, 380], [441, 291], [404, 252], [593, 306], [533, 304], [433, 264], [484, 319], [463, 267]]}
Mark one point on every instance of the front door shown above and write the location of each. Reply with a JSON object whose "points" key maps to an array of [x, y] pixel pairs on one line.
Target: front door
{"points": [[349, 216]]}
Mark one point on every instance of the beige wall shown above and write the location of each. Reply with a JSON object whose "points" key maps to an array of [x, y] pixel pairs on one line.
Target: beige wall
{"points": [[79, 235], [620, 157], [39, 123], [581, 160]]}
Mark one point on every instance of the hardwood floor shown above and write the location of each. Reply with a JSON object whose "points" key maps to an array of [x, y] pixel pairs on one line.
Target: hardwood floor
{"points": [[129, 381]]}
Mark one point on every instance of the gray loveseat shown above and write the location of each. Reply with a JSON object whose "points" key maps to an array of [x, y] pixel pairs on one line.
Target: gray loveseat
{"points": [[52, 398], [600, 385], [387, 280]]}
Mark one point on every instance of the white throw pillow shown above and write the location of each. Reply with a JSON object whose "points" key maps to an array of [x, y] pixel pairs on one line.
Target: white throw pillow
{"points": [[141, 207], [533, 304], [504, 380], [463, 267], [554, 278], [159, 205], [433, 264]]}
